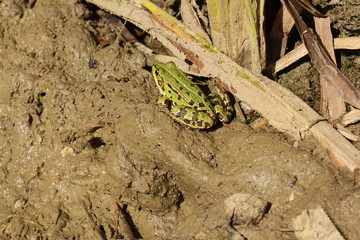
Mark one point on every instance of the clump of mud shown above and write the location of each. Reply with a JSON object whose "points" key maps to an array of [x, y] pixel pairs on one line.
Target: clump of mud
{"points": [[80, 134]]}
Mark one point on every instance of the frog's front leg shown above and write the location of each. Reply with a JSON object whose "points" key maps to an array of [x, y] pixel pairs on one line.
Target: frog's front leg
{"points": [[164, 100], [192, 117]]}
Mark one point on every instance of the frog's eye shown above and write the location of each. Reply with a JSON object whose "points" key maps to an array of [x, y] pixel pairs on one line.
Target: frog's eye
{"points": [[160, 82]]}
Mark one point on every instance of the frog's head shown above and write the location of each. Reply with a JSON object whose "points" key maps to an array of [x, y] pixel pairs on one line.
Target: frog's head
{"points": [[161, 71], [157, 74]]}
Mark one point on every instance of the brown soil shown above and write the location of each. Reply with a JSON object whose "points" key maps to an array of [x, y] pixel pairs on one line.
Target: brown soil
{"points": [[80, 134]]}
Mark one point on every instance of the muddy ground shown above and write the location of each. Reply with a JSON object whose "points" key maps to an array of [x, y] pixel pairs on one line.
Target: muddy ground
{"points": [[83, 142]]}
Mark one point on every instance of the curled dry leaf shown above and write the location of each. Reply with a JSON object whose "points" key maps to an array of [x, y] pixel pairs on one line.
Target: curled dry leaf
{"points": [[347, 133], [191, 19], [351, 117]]}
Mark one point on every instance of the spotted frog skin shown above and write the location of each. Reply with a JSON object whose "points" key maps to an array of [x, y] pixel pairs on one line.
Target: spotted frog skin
{"points": [[186, 102]]}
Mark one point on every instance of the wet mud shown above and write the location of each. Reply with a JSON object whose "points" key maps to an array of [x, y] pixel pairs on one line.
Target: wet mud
{"points": [[82, 142]]}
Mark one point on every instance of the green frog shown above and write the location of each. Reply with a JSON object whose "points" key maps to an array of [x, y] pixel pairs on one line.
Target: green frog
{"points": [[186, 102]]}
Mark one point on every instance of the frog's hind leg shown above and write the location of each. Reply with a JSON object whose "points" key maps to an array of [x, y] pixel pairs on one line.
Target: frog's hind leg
{"points": [[191, 117], [222, 106]]}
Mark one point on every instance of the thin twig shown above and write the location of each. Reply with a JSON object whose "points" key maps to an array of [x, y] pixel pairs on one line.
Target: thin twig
{"points": [[352, 43]]}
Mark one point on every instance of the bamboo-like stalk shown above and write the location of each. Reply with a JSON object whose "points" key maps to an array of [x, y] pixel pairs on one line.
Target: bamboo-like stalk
{"points": [[235, 30]]}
